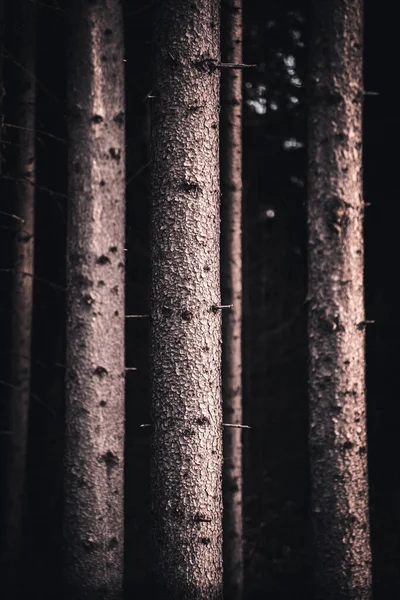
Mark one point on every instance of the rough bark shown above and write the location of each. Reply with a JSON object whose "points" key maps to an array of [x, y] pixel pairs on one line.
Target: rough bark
{"points": [[186, 325], [23, 170], [338, 445], [231, 282], [94, 461]]}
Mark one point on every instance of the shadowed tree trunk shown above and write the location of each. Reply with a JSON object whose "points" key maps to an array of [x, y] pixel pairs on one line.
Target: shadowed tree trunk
{"points": [[186, 320], [231, 282], [338, 445], [94, 461], [23, 87], [2, 91]]}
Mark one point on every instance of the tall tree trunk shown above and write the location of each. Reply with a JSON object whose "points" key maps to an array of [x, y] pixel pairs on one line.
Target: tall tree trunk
{"points": [[338, 445], [186, 323], [24, 165], [94, 461], [231, 282]]}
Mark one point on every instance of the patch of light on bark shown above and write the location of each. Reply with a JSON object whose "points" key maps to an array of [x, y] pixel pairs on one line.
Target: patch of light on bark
{"points": [[97, 91]]}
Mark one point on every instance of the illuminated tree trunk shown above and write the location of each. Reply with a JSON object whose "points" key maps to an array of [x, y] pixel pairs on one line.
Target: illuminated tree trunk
{"points": [[23, 88], [186, 323], [94, 461], [231, 281], [338, 445]]}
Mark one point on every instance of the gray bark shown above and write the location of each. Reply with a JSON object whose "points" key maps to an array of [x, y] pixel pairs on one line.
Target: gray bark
{"points": [[186, 329], [338, 445], [231, 281], [24, 88], [94, 460]]}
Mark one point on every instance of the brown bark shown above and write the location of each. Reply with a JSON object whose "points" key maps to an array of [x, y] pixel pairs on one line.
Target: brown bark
{"points": [[24, 109], [186, 329], [231, 281], [337, 434], [94, 460]]}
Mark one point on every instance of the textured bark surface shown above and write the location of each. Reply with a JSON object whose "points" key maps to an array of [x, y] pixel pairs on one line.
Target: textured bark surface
{"points": [[338, 445], [186, 330], [24, 86], [231, 282], [95, 377]]}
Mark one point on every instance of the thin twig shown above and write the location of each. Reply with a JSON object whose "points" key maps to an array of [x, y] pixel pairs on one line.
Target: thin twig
{"points": [[6, 54], [38, 131], [133, 177], [39, 279], [47, 5], [236, 425], [34, 396], [216, 307], [130, 368], [233, 66], [2, 212], [136, 316], [42, 188]]}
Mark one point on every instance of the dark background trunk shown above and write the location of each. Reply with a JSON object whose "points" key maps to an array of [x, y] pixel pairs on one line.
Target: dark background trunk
{"points": [[275, 402]]}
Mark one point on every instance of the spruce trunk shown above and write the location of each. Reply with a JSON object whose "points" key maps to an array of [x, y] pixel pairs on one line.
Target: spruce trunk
{"points": [[94, 461], [337, 434], [231, 281], [185, 296], [23, 197]]}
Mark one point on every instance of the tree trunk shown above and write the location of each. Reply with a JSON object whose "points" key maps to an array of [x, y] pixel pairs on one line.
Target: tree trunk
{"points": [[94, 461], [231, 281], [2, 91], [338, 445], [186, 320], [24, 166]]}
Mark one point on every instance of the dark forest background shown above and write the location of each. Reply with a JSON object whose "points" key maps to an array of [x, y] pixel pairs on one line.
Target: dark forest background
{"points": [[276, 481]]}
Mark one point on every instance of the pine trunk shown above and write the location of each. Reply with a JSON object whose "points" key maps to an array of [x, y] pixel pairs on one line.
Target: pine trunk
{"points": [[338, 444], [94, 461], [186, 320], [231, 281], [23, 170]]}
